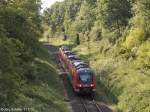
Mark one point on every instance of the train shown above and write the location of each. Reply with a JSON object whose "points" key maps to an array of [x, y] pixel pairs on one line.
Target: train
{"points": [[81, 75]]}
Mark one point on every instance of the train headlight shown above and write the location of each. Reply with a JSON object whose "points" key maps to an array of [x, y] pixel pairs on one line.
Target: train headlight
{"points": [[79, 85], [92, 85]]}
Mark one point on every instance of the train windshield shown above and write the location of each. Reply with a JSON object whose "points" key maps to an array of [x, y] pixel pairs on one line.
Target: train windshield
{"points": [[85, 77]]}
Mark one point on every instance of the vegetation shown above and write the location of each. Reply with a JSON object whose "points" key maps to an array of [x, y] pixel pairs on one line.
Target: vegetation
{"points": [[27, 73], [115, 38]]}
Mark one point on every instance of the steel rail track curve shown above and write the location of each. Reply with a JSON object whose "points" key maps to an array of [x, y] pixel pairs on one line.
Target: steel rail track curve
{"points": [[99, 109], [84, 105], [97, 106]]}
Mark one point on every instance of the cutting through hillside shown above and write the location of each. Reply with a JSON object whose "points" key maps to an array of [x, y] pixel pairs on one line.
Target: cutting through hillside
{"points": [[85, 99]]}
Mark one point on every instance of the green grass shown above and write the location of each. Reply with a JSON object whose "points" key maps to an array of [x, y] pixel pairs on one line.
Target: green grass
{"points": [[56, 41], [45, 93]]}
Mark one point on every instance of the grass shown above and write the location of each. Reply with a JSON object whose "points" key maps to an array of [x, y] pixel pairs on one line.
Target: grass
{"points": [[45, 94], [56, 41]]}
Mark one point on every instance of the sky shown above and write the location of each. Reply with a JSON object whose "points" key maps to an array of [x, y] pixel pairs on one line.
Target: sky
{"points": [[48, 3]]}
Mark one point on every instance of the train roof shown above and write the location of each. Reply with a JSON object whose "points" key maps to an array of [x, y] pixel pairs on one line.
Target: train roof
{"points": [[65, 48], [77, 60], [82, 65], [81, 70], [69, 53], [79, 63], [71, 56]]}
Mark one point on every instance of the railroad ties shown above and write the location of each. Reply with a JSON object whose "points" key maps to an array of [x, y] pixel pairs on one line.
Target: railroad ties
{"points": [[90, 105]]}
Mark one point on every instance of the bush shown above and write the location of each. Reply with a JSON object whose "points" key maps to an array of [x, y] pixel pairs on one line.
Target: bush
{"points": [[135, 38]]}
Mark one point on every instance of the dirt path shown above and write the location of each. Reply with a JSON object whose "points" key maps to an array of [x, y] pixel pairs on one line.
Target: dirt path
{"points": [[77, 103]]}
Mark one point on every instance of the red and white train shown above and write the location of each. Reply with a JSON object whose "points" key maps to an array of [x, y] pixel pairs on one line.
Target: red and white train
{"points": [[82, 77]]}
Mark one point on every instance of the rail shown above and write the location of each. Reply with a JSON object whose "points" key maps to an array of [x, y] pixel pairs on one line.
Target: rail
{"points": [[95, 104]]}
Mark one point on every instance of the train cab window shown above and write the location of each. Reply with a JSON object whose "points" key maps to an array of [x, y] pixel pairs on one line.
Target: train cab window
{"points": [[85, 77]]}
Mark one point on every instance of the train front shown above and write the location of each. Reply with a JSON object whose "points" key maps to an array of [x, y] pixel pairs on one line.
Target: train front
{"points": [[86, 81]]}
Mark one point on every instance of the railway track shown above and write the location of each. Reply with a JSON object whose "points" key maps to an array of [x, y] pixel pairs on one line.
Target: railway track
{"points": [[90, 105], [85, 109], [98, 106]]}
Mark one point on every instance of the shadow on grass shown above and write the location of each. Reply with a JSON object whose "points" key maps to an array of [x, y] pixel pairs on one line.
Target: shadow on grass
{"points": [[111, 97]]}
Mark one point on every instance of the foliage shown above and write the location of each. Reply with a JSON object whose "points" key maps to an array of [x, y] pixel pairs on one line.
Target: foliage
{"points": [[135, 38], [24, 81], [118, 47]]}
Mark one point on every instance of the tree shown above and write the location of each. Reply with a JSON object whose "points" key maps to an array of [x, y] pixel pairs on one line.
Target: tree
{"points": [[141, 10], [20, 28], [114, 13]]}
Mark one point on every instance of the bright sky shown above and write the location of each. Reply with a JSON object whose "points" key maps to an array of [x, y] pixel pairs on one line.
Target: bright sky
{"points": [[48, 3]]}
